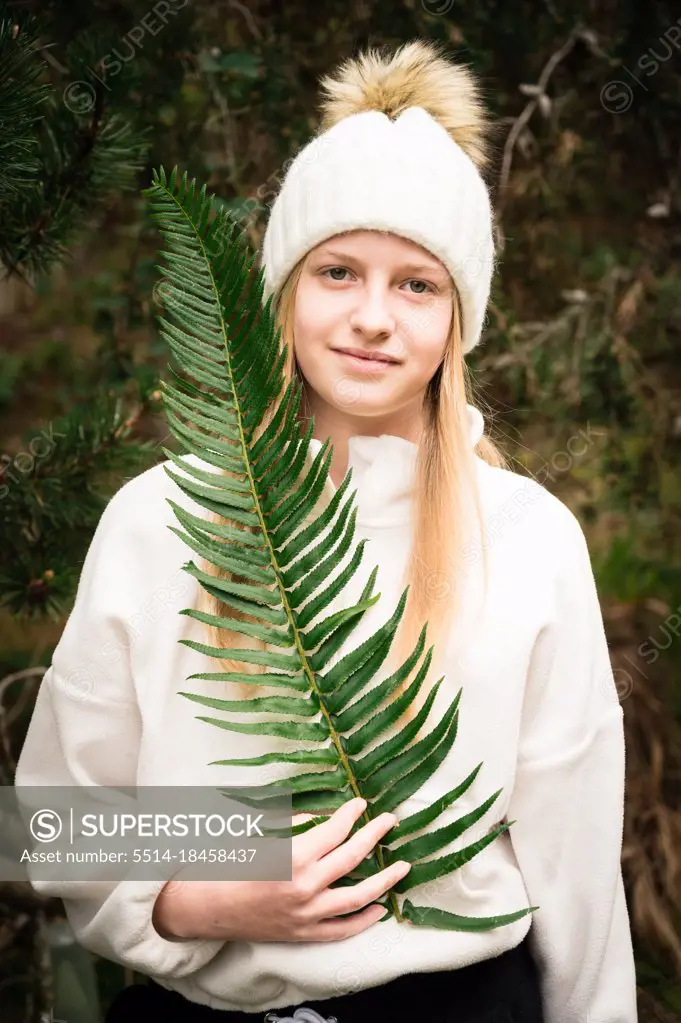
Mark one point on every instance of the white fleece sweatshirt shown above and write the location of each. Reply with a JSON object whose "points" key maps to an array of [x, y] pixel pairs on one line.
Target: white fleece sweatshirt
{"points": [[539, 708]]}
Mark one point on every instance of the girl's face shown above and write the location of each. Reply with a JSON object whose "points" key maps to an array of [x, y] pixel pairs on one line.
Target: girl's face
{"points": [[377, 293]]}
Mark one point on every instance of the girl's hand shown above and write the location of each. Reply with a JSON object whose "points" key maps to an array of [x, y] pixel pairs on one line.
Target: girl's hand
{"points": [[303, 909]]}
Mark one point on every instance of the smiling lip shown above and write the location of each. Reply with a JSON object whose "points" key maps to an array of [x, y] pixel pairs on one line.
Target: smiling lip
{"points": [[379, 359], [366, 367]]}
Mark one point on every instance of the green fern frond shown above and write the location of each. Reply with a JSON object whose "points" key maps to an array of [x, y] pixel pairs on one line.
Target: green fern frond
{"points": [[231, 361]]}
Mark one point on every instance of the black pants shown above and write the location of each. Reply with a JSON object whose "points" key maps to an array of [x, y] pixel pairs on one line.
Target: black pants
{"points": [[503, 989]]}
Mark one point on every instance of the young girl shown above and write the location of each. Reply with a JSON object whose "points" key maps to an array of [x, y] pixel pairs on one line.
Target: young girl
{"points": [[379, 253]]}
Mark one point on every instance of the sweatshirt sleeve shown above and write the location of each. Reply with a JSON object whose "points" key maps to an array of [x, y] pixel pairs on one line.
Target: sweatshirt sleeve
{"points": [[568, 804], [86, 728]]}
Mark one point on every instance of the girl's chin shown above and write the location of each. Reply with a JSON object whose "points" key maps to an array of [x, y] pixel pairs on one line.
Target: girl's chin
{"points": [[352, 398], [359, 389]]}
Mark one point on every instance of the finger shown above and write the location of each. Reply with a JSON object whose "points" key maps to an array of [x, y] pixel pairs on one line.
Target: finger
{"points": [[320, 840], [336, 930], [346, 857], [349, 898]]}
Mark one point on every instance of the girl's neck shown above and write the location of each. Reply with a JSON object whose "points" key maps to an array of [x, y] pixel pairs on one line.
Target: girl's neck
{"points": [[340, 426]]}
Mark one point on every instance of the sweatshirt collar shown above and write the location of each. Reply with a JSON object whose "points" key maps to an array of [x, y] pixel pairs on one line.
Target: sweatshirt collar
{"points": [[383, 469]]}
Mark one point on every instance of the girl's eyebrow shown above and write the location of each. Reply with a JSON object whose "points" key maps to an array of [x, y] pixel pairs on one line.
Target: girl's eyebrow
{"points": [[405, 267]]}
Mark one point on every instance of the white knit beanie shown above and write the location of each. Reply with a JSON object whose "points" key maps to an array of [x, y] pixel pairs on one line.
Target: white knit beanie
{"points": [[399, 149]]}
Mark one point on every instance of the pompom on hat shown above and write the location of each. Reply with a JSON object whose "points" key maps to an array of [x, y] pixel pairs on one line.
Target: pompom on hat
{"points": [[400, 148]]}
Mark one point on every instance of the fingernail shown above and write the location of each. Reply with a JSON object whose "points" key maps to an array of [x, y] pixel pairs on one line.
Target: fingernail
{"points": [[404, 866]]}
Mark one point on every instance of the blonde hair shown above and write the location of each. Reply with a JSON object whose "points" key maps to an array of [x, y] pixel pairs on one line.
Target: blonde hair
{"points": [[445, 481]]}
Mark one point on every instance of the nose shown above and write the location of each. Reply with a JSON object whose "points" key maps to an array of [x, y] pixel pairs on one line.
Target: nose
{"points": [[372, 315]]}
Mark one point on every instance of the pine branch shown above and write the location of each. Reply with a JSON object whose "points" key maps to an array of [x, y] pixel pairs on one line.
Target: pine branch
{"points": [[79, 160], [51, 497], [22, 103]]}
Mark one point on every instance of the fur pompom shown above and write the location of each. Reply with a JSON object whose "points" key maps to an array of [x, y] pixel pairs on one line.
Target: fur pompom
{"points": [[415, 75]]}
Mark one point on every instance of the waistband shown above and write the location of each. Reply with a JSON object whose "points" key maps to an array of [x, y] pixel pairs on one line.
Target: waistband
{"points": [[476, 989]]}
